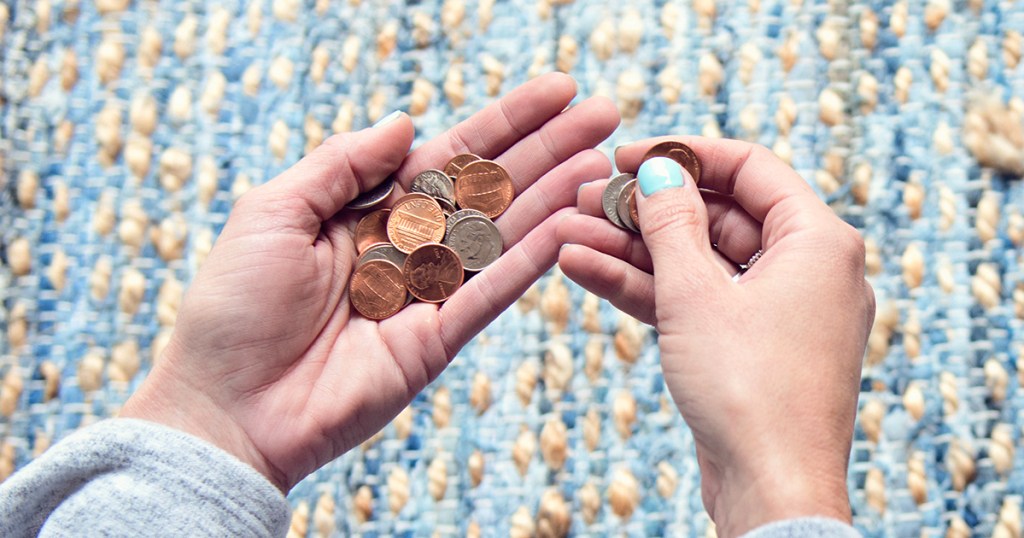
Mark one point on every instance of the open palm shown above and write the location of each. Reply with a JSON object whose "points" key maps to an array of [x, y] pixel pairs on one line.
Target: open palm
{"points": [[268, 360]]}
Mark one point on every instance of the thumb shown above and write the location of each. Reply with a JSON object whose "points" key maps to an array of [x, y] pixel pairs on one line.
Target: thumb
{"points": [[346, 164], [674, 223]]}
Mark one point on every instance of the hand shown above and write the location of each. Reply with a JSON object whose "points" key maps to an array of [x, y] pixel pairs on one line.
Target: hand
{"points": [[269, 362], [766, 369]]}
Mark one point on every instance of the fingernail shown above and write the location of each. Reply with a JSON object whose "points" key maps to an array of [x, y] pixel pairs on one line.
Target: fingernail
{"points": [[387, 119], [581, 187], [659, 173]]}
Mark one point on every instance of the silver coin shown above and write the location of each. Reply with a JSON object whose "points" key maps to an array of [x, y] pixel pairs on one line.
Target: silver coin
{"points": [[383, 252], [476, 240], [447, 207], [622, 206], [610, 198], [373, 196], [434, 183], [457, 216]]}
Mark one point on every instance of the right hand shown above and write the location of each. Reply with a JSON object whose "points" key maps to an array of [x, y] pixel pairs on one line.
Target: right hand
{"points": [[766, 369]]}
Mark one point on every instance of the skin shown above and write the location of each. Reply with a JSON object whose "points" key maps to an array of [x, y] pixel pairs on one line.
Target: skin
{"points": [[269, 362], [781, 348]]}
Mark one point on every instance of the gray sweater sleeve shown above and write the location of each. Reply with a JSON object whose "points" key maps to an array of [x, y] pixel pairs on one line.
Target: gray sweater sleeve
{"points": [[804, 526], [124, 477]]}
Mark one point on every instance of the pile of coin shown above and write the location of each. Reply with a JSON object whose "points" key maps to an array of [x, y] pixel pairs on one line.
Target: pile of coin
{"points": [[425, 244], [619, 197]]}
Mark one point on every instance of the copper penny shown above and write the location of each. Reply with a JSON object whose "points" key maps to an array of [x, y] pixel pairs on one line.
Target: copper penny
{"points": [[415, 219], [433, 272], [373, 196], [377, 289], [680, 153], [486, 187], [634, 214], [459, 162], [372, 229]]}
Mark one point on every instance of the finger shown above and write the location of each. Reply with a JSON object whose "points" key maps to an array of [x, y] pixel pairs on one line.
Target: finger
{"points": [[752, 174], [674, 222], [735, 234], [497, 127], [629, 289], [600, 235], [588, 198], [320, 184], [490, 292], [581, 127], [556, 190]]}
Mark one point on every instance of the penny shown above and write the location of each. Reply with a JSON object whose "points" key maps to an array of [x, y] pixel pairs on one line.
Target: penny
{"points": [[476, 240], [377, 289], [622, 205], [373, 196], [434, 183], [634, 213], [484, 186], [680, 153], [610, 198], [459, 162], [386, 252], [372, 229], [433, 272], [415, 219]]}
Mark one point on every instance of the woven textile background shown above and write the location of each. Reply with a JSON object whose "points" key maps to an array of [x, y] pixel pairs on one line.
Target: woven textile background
{"points": [[127, 128]]}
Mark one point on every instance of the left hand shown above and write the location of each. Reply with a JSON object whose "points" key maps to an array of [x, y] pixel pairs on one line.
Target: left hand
{"points": [[269, 362]]}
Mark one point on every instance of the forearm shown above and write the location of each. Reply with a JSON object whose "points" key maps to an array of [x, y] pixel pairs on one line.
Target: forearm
{"points": [[130, 477]]}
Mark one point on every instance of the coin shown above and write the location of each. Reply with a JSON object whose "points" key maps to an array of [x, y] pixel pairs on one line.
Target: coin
{"points": [[622, 205], [372, 229], [377, 289], [476, 240], [680, 153], [484, 186], [610, 198], [415, 219], [434, 183], [373, 196], [459, 162], [386, 252], [447, 207], [634, 213], [433, 272]]}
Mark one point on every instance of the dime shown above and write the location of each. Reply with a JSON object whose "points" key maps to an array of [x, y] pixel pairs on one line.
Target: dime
{"points": [[415, 219], [434, 183], [377, 289], [373, 196], [680, 153], [476, 240], [459, 162], [386, 252], [447, 207], [433, 272], [622, 205], [372, 229], [484, 186], [610, 198]]}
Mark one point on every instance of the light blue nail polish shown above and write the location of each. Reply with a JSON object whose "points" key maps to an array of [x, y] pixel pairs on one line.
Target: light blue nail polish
{"points": [[387, 119], [659, 173]]}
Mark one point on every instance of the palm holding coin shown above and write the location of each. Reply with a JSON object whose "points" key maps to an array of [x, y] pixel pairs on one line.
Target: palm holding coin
{"points": [[275, 365]]}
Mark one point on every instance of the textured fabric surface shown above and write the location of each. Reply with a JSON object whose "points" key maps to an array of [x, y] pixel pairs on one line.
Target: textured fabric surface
{"points": [[798, 528], [127, 129], [126, 477]]}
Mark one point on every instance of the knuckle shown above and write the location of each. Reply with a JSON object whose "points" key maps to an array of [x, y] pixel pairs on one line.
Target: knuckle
{"points": [[671, 218]]}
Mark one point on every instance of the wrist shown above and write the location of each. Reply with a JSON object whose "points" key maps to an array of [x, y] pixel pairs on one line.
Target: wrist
{"points": [[743, 505], [164, 399]]}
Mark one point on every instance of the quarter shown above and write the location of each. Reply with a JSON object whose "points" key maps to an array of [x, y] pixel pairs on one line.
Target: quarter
{"points": [[610, 198], [476, 240]]}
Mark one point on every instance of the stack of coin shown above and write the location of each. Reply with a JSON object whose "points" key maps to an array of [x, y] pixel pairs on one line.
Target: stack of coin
{"points": [[619, 197], [423, 246]]}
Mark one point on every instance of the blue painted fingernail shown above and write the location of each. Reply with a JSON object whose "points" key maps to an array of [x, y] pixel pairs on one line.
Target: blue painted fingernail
{"points": [[387, 119], [659, 173]]}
